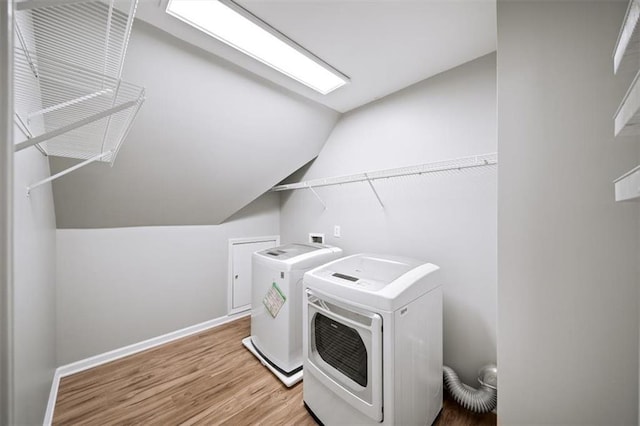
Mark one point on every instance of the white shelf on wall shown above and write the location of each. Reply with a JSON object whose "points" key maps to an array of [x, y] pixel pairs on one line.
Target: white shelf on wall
{"points": [[93, 34], [419, 169], [74, 113], [627, 186], [627, 50], [456, 164], [69, 98], [627, 117]]}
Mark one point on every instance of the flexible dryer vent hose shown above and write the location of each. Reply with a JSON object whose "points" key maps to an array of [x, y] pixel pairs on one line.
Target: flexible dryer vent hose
{"points": [[480, 400]]}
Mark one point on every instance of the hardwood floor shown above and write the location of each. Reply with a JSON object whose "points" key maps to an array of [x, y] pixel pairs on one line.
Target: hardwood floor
{"points": [[208, 378]]}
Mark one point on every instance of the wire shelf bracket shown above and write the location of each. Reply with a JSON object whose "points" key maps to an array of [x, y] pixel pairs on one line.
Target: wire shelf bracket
{"points": [[373, 188], [456, 164], [324, 205]]}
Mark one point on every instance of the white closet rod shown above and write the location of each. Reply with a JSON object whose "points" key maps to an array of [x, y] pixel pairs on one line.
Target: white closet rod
{"points": [[67, 171], [435, 167], [57, 132]]}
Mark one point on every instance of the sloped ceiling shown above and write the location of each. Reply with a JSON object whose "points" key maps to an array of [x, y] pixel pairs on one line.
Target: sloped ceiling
{"points": [[382, 45], [209, 140], [219, 129]]}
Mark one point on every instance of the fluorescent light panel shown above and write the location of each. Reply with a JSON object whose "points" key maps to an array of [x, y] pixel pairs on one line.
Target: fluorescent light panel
{"points": [[231, 27]]}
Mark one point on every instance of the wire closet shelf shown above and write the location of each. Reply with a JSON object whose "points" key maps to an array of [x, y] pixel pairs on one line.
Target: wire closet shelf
{"points": [[69, 98], [456, 164], [419, 169]]}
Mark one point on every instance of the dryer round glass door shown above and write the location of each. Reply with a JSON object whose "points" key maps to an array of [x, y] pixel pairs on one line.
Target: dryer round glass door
{"points": [[345, 352]]}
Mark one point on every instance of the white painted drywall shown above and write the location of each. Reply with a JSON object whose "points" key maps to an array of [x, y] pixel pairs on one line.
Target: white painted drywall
{"points": [[6, 212], [448, 219], [34, 296], [6, 264], [568, 273], [209, 139], [124, 285], [34, 288]]}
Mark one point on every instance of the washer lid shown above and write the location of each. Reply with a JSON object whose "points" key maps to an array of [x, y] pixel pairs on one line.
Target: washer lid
{"points": [[298, 256], [288, 251]]}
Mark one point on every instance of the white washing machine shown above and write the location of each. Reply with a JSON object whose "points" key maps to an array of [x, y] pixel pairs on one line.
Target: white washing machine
{"points": [[276, 305], [372, 341]]}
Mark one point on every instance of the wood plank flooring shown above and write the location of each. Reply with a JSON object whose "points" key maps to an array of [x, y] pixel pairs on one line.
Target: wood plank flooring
{"points": [[205, 379]]}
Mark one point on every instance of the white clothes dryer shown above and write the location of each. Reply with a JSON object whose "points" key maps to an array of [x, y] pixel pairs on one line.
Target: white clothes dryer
{"points": [[372, 341], [276, 305]]}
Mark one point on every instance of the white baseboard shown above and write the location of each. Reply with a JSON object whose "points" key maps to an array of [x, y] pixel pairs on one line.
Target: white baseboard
{"points": [[94, 361], [53, 394]]}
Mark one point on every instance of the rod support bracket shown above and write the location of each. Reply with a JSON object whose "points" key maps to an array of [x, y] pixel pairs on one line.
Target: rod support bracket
{"points": [[373, 188], [69, 170], [317, 196]]}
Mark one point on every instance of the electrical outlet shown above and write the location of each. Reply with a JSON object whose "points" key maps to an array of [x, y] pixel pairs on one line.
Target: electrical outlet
{"points": [[336, 231]]}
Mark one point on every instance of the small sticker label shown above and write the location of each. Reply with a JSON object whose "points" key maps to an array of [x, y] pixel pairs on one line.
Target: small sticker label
{"points": [[274, 300]]}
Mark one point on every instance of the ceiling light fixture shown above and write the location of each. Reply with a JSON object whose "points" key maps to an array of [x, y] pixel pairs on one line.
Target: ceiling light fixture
{"points": [[237, 27]]}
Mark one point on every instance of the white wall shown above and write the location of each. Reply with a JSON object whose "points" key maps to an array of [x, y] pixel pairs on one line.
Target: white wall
{"points": [[34, 304], [124, 285], [6, 213], [447, 219], [210, 138], [568, 254], [34, 288]]}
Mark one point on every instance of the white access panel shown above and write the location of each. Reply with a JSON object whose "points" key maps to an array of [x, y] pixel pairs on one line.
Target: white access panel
{"points": [[240, 252]]}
